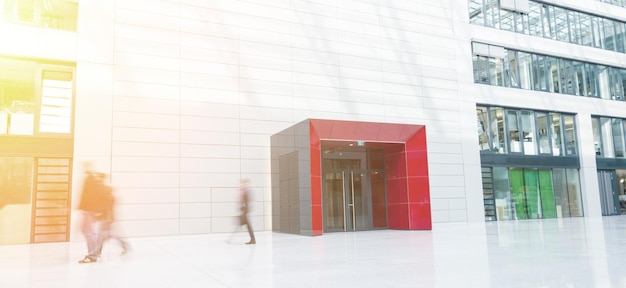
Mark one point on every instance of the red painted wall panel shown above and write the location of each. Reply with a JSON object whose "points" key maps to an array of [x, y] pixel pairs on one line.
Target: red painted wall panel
{"points": [[406, 164]]}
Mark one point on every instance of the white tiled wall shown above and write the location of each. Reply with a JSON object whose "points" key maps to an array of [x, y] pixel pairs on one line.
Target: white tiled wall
{"points": [[185, 94]]}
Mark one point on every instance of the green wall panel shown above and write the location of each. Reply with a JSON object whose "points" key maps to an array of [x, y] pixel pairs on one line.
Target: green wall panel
{"points": [[532, 193], [547, 194], [517, 187]]}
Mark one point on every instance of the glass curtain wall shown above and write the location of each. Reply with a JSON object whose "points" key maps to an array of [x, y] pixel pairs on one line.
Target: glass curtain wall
{"points": [[553, 22], [526, 132], [609, 137], [530, 193], [54, 14], [35, 98], [537, 72], [621, 3], [16, 188]]}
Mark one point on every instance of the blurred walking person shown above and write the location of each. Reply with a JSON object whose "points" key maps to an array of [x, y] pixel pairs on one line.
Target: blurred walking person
{"points": [[108, 217], [91, 206], [245, 208]]}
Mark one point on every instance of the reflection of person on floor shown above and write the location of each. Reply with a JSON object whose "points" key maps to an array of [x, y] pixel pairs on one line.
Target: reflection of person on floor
{"points": [[245, 208], [107, 217], [91, 206]]}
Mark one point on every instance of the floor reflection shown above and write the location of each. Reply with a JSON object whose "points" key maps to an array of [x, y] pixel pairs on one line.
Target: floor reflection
{"points": [[570, 252]]}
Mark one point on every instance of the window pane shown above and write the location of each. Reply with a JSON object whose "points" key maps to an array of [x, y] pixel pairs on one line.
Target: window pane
{"points": [[525, 70], [507, 19], [603, 82], [476, 15], [549, 24], [55, 14], [622, 87], [573, 191], [548, 31], [502, 193], [615, 82], [531, 191], [557, 138], [581, 84], [510, 75], [607, 137], [595, 126], [476, 66], [609, 34], [561, 197], [534, 19], [561, 24], [546, 189], [620, 37], [542, 129], [495, 69], [514, 133], [481, 68], [16, 178], [498, 141], [56, 102], [491, 13], [591, 79], [483, 121], [553, 75], [597, 31], [539, 73], [528, 128], [618, 137], [521, 23], [516, 177], [575, 30], [570, 134], [586, 33], [623, 129], [17, 97], [567, 79]]}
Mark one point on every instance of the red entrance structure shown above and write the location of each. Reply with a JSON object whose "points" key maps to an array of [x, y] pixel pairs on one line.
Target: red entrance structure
{"points": [[297, 171]]}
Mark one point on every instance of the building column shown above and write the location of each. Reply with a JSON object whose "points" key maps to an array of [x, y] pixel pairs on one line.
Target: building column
{"points": [[588, 168]]}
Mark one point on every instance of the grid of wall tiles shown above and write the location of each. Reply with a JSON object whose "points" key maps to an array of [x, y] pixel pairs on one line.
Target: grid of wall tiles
{"points": [[198, 88]]}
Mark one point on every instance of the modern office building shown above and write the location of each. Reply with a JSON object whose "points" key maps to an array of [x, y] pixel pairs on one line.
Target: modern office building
{"points": [[345, 115]]}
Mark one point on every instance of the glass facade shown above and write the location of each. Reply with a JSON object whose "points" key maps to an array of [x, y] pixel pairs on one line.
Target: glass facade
{"points": [[16, 186], [531, 193], [551, 74], [609, 137], [615, 2], [536, 189], [54, 14], [518, 131], [553, 22], [35, 98]]}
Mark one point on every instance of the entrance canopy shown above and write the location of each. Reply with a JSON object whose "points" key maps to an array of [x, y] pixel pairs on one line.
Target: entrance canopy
{"points": [[297, 173]]}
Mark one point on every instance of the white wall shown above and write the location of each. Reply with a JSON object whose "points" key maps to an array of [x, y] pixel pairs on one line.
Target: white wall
{"points": [[184, 96]]}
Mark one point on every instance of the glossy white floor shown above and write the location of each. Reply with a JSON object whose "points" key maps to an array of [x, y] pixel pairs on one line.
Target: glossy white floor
{"points": [[574, 252]]}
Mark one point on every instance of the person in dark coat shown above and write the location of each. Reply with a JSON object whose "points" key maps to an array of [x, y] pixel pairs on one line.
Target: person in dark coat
{"points": [[245, 208], [91, 205]]}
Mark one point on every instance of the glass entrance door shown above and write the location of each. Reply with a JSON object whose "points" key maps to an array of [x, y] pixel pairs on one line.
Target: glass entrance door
{"points": [[533, 193], [354, 187], [347, 201], [609, 198]]}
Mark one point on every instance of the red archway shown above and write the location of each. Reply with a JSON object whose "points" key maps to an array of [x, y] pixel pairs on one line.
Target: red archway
{"points": [[408, 192]]}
